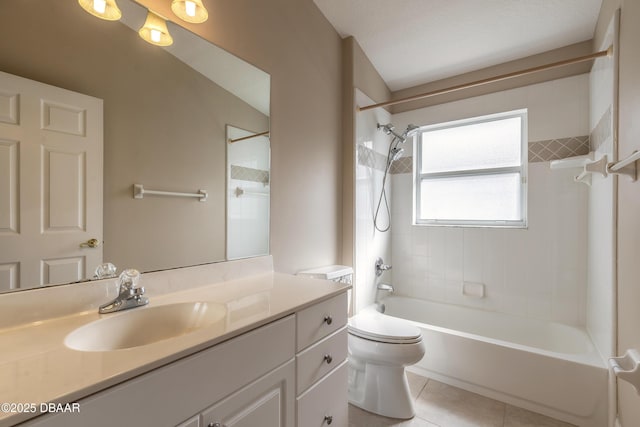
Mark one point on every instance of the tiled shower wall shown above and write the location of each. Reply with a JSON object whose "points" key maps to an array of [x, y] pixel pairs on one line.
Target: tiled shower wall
{"points": [[539, 271], [248, 195], [371, 149], [601, 218]]}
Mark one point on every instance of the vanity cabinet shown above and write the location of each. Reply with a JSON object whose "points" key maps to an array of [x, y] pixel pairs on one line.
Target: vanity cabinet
{"points": [[321, 364], [289, 372]]}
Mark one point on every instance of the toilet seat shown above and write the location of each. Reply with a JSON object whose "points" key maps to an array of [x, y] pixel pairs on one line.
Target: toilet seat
{"points": [[384, 329]]}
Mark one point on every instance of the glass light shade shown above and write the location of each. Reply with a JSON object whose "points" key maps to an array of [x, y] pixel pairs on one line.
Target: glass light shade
{"points": [[190, 10], [103, 9], [155, 30]]}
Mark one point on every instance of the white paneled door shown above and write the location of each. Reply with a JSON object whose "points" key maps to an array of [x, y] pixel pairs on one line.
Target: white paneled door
{"points": [[50, 184]]}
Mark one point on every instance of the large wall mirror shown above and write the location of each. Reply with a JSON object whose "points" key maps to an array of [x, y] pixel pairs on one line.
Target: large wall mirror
{"points": [[167, 117]]}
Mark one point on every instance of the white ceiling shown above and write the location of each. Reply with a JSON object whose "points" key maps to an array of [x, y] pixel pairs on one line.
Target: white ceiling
{"points": [[411, 42]]}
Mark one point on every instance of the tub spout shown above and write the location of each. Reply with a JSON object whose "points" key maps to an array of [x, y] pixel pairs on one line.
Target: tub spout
{"points": [[385, 287]]}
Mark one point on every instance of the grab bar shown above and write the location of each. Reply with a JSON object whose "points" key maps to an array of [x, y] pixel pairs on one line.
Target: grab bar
{"points": [[139, 192]]}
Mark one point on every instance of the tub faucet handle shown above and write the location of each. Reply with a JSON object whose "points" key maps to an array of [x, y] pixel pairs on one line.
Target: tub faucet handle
{"points": [[381, 267]]}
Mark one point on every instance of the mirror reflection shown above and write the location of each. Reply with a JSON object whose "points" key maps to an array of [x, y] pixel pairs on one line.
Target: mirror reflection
{"points": [[87, 110]]}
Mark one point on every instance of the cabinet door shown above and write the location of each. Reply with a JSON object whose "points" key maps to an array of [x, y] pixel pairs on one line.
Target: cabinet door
{"points": [[267, 402]]}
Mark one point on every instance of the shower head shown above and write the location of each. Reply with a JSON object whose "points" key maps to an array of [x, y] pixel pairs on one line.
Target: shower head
{"points": [[395, 154], [409, 131]]}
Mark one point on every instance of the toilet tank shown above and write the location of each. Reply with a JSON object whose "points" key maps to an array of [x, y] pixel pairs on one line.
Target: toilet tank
{"points": [[335, 273]]}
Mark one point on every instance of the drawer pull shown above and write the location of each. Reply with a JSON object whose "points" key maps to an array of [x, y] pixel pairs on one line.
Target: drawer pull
{"points": [[328, 320], [328, 358], [328, 419], [215, 425]]}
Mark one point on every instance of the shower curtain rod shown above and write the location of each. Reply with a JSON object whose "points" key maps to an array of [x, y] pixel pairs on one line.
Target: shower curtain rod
{"points": [[608, 52], [231, 141]]}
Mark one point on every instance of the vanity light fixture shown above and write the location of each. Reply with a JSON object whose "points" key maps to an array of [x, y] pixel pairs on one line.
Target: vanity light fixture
{"points": [[155, 30], [190, 10], [103, 9]]}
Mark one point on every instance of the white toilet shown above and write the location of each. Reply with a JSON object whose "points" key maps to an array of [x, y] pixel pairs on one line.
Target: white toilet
{"points": [[380, 347]]}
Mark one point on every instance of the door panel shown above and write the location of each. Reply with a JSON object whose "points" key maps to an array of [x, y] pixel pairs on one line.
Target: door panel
{"points": [[63, 191], [9, 107], [8, 186], [50, 183]]}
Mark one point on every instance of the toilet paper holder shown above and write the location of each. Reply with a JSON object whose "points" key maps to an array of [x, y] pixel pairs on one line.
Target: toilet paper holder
{"points": [[627, 367]]}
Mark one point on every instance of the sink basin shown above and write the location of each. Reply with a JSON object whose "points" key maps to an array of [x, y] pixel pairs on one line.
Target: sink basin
{"points": [[146, 325]]}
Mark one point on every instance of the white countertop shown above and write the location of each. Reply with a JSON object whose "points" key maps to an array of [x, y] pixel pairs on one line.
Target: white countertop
{"points": [[36, 367]]}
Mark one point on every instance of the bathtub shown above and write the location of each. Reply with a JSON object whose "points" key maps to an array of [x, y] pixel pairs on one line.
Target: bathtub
{"points": [[542, 366]]}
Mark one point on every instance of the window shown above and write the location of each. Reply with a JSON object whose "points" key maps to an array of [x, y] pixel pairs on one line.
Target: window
{"points": [[473, 172]]}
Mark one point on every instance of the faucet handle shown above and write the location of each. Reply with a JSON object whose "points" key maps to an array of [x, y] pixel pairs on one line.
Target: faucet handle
{"points": [[381, 267], [129, 279], [105, 271]]}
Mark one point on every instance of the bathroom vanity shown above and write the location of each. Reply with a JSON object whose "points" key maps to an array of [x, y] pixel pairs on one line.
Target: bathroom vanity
{"points": [[277, 357]]}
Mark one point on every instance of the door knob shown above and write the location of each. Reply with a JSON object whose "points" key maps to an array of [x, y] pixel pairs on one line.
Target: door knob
{"points": [[91, 243]]}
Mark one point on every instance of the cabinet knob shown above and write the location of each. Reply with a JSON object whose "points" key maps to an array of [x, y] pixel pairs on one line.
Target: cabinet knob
{"points": [[328, 358], [328, 320], [328, 419]]}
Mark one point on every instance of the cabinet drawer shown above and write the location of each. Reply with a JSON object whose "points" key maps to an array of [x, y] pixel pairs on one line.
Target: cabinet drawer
{"points": [[325, 404], [319, 359], [318, 321]]}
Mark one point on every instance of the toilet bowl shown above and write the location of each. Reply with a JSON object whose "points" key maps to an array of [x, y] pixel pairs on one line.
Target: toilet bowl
{"points": [[380, 347]]}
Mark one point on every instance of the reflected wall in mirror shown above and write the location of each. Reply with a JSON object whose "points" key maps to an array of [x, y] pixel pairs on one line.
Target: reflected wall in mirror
{"points": [[164, 126], [248, 193]]}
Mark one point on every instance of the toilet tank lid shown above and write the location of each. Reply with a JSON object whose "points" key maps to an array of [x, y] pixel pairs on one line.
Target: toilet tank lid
{"points": [[329, 272]]}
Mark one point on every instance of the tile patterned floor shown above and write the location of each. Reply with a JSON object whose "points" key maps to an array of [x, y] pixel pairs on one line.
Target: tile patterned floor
{"points": [[441, 405]]}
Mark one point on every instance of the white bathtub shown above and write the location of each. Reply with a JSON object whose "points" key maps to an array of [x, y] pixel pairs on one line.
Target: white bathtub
{"points": [[546, 367]]}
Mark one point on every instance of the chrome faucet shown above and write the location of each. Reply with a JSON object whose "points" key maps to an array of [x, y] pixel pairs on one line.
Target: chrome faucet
{"points": [[381, 267], [385, 287], [130, 295]]}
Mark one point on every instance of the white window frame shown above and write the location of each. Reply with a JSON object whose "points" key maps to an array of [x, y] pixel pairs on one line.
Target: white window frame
{"points": [[522, 170]]}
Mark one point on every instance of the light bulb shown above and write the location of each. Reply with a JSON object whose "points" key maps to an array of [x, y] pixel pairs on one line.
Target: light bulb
{"points": [[156, 36], [100, 6], [190, 8], [103, 9], [155, 30]]}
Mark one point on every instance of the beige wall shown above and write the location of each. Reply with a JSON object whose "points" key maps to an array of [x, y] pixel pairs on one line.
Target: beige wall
{"points": [[164, 127], [628, 233], [292, 41]]}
